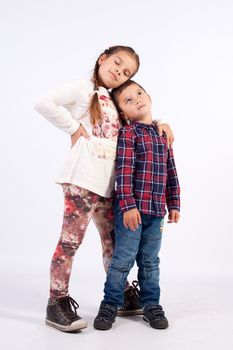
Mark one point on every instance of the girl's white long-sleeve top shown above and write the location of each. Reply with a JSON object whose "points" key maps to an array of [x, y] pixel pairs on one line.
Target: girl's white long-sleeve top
{"points": [[90, 163]]}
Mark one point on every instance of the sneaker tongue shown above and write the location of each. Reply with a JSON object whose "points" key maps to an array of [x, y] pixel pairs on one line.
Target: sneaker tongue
{"points": [[66, 305], [157, 311], [107, 311], [109, 308]]}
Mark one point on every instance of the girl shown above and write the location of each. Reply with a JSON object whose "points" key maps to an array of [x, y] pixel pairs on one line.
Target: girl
{"points": [[85, 111]]}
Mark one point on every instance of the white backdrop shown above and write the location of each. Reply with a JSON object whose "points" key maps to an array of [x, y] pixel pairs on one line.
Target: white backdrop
{"points": [[186, 54]]}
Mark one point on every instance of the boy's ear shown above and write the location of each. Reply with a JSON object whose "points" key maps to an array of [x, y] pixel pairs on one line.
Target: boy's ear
{"points": [[149, 97], [102, 58], [122, 115]]}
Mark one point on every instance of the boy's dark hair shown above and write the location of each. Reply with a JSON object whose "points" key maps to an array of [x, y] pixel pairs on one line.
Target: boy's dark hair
{"points": [[115, 93]]}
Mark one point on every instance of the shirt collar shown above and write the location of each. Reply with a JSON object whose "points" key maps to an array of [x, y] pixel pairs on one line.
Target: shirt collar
{"points": [[143, 125]]}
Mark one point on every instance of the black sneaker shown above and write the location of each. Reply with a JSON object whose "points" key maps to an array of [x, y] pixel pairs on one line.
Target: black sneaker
{"points": [[61, 316], [106, 316], [131, 302], [154, 314]]}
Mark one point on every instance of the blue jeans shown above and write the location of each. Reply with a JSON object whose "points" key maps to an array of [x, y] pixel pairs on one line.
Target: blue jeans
{"points": [[142, 245]]}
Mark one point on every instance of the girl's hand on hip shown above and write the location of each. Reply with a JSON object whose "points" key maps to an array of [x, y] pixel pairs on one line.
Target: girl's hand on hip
{"points": [[168, 131], [131, 219], [80, 132]]}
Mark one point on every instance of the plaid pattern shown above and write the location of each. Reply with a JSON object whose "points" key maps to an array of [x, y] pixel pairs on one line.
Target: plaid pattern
{"points": [[146, 176]]}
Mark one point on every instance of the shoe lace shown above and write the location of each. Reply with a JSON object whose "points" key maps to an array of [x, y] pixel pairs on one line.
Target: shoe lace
{"points": [[133, 290], [69, 307]]}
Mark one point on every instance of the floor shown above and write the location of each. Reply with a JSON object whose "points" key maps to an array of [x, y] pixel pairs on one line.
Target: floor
{"points": [[199, 309]]}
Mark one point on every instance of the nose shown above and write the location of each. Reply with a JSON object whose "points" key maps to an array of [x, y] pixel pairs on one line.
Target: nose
{"points": [[118, 71]]}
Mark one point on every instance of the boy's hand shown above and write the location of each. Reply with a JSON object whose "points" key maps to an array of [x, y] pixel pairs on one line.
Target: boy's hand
{"points": [[169, 134], [80, 132], [131, 219], [173, 216]]}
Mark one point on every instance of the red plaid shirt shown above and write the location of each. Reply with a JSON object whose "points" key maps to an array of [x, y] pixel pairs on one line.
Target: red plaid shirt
{"points": [[146, 176]]}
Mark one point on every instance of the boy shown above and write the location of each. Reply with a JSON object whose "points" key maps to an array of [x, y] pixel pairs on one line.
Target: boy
{"points": [[146, 180]]}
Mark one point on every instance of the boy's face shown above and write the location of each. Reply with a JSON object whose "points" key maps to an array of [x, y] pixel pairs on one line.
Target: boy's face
{"points": [[115, 69], [135, 103]]}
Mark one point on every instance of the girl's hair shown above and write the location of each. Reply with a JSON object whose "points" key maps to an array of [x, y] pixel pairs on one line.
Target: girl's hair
{"points": [[94, 107], [115, 93]]}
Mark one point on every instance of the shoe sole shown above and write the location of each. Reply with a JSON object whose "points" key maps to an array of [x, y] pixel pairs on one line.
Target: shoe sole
{"points": [[157, 327], [129, 312], [77, 325]]}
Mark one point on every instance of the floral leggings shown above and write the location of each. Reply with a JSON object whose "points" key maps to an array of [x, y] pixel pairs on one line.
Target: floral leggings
{"points": [[81, 205]]}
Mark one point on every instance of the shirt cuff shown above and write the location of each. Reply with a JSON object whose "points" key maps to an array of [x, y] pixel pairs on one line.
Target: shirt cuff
{"points": [[74, 127], [173, 205], [127, 204]]}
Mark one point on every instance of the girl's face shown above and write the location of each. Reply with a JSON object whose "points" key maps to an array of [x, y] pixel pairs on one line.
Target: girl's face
{"points": [[115, 69]]}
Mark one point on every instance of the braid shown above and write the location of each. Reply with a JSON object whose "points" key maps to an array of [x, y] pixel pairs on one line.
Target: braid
{"points": [[94, 108], [95, 76]]}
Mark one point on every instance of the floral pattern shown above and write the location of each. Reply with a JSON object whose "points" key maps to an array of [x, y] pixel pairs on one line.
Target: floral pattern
{"points": [[80, 205], [109, 126]]}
